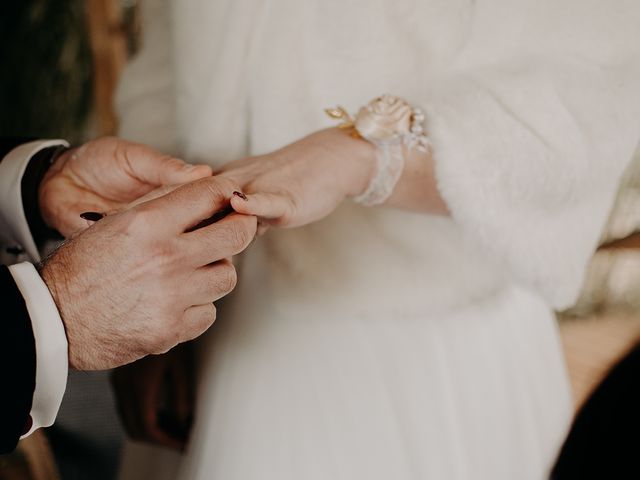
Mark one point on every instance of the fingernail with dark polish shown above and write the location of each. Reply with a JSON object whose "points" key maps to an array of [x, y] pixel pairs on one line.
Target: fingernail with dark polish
{"points": [[92, 216], [241, 195]]}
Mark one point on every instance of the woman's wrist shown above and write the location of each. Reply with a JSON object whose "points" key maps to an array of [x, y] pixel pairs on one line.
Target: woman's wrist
{"points": [[355, 160]]}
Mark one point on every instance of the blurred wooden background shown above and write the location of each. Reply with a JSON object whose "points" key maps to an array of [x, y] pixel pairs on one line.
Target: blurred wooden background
{"points": [[110, 40], [62, 60]]}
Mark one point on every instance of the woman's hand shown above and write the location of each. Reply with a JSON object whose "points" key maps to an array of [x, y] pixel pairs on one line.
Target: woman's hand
{"points": [[305, 181], [104, 175], [302, 182]]}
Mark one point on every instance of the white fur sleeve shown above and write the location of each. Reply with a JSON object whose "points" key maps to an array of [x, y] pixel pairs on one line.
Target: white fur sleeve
{"points": [[529, 153], [145, 100]]}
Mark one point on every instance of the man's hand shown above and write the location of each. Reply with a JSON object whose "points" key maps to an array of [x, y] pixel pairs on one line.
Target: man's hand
{"points": [[104, 175], [140, 282]]}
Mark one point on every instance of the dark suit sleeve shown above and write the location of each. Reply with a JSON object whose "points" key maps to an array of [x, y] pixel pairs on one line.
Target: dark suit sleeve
{"points": [[605, 438], [17, 343], [17, 364]]}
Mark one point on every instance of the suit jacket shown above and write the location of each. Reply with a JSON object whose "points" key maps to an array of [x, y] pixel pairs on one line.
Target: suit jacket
{"points": [[17, 344], [605, 437]]}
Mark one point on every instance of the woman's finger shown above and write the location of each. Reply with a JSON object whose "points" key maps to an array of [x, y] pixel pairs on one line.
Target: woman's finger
{"points": [[271, 208]]}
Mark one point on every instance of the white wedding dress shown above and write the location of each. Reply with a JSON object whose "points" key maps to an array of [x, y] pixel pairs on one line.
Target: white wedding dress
{"points": [[381, 344]]}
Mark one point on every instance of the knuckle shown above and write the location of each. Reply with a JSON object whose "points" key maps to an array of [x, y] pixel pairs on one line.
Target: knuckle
{"points": [[163, 254], [214, 188], [226, 278], [141, 220], [171, 162], [157, 264], [208, 316], [241, 234], [156, 337], [288, 214], [208, 191], [199, 323], [164, 339], [161, 350], [155, 345], [205, 320], [172, 338], [165, 303], [226, 184]]}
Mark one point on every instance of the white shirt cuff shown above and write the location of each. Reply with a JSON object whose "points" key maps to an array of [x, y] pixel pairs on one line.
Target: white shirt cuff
{"points": [[51, 345], [14, 229]]}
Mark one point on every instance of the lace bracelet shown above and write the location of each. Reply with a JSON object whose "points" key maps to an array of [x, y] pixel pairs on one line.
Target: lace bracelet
{"points": [[393, 126]]}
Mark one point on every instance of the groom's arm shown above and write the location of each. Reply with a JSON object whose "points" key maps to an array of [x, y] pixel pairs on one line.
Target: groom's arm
{"points": [[91, 274], [17, 363], [33, 347]]}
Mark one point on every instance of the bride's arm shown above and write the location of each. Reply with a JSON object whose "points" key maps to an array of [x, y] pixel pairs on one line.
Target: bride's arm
{"points": [[307, 179], [416, 189], [528, 146]]}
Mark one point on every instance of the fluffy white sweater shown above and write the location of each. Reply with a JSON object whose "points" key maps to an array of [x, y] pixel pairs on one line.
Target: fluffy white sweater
{"points": [[378, 343]]}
